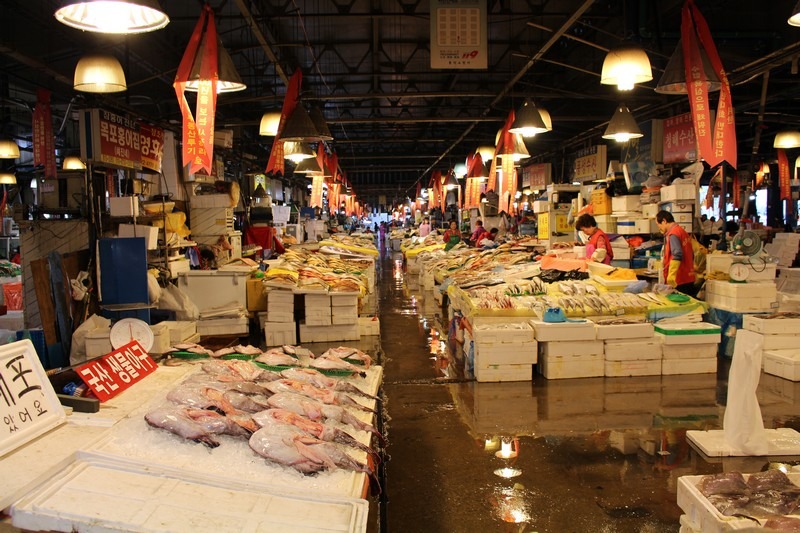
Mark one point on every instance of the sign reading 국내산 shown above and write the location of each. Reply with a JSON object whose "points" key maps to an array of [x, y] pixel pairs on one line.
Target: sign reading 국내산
{"points": [[458, 34]]}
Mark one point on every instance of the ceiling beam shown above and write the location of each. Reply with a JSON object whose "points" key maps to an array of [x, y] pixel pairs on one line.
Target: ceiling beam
{"points": [[259, 35]]}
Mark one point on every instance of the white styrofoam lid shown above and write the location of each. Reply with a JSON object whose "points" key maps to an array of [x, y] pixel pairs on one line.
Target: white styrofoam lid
{"points": [[93, 495], [29, 406], [781, 441]]}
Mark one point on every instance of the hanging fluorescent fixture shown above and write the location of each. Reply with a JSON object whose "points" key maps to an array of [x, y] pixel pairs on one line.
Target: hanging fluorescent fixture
{"points": [[794, 20], [72, 162], [229, 80], [787, 139], [673, 80], [9, 149], [622, 127], [297, 151], [99, 73], [626, 65], [113, 16], [7, 178], [527, 120], [269, 124]]}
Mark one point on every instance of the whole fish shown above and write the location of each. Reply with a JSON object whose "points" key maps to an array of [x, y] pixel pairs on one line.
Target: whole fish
{"points": [[236, 370], [315, 377], [348, 354], [324, 363], [274, 358], [213, 422], [247, 350], [323, 395], [175, 420], [243, 402]]}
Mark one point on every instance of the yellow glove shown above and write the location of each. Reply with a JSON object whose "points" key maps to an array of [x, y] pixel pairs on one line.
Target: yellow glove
{"points": [[672, 274]]}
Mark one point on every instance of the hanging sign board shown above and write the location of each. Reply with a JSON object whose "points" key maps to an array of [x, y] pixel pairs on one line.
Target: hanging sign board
{"points": [[590, 163], [151, 146], [117, 371], [680, 144], [459, 34], [109, 139], [537, 177], [44, 149]]}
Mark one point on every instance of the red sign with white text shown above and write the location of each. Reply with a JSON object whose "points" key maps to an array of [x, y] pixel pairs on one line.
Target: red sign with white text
{"points": [[117, 371], [151, 146], [680, 144], [44, 149]]}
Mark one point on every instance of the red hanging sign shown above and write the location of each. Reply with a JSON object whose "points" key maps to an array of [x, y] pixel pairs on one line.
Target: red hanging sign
{"points": [[719, 144], [44, 149], [198, 132], [275, 163], [116, 371], [737, 191], [784, 175], [435, 193], [316, 190], [151, 146]]}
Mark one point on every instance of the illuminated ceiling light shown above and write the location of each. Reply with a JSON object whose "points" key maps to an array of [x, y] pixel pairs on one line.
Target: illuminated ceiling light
{"points": [[626, 65], [519, 150], [308, 166], [487, 153], [622, 127], [99, 73], [787, 139], [320, 124], [113, 16], [269, 124], [460, 170], [8, 149], [72, 162], [228, 81], [673, 81], [527, 120], [451, 183], [7, 178], [297, 151], [794, 20], [299, 127]]}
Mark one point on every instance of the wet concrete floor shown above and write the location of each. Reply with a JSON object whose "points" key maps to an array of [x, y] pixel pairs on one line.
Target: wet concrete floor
{"points": [[592, 454]]}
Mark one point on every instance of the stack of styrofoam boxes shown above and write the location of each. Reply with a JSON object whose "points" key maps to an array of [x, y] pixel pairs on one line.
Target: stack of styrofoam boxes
{"points": [[504, 349], [318, 325], [688, 348], [182, 331], [278, 321], [630, 350], [784, 247], [621, 250], [750, 297], [627, 213], [344, 308], [368, 326], [679, 200], [569, 350], [211, 216], [601, 206], [781, 344]]}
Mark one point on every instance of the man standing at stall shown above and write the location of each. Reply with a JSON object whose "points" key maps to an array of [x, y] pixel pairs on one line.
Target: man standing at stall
{"points": [[598, 240], [677, 258]]}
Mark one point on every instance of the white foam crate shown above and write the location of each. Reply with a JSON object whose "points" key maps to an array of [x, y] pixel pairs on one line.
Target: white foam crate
{"points": [[214, 288], [624, 331], [279, 334], [161, 341], [344, 319], [368, 326], [780, 342], [581, 366], [318, 312], [651, 367], [626, 204], [678, 206], [495, 373], [650, 210], [704, 365], [505, 354], [311, 333], [770, 326], [501, 331], [563, 331], [278, 317], [672, 193], [783, 363], [223, 326], [632, 350], [280, 297], [759, 304], [98, 342], [344, 300], [319, 321], [760, 289], [688, 351], [344, 311], [572, 348], [690, 333], [317, 300]]}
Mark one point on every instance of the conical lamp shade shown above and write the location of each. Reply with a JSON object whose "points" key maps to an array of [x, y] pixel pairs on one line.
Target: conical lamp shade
{"points": [[7, 178], [299, 127], [99, 73], [527, 120], [297, 151], [622, 127], [486, 152], [546, 118], [73, 163], [787, 139], [451, 183], [229, 79], [113, 16], [308, 166], [794, 20], [8, 149], [673, 81], [269, 124], [320, 124], [626, 65], [519, 150]]}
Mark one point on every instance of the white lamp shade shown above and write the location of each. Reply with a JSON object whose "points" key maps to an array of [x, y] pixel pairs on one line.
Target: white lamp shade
{"points": [[297, 151], [72, 162], [622, 127], [7, 178], [794, 20], [787, 139], [99, 73], [113, 16], [269, 124], [625, 66], [228, 80], [519, 150], [8, 149], [487, 153]]}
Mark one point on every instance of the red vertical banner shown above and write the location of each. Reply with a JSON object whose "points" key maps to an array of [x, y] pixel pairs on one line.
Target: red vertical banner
{"points": [[316, 190], [736, 197], [435, 192], [443, 191], [709, 199], [719, 144], [275, 163], [44, 150], [784, 175], [198, 133]]}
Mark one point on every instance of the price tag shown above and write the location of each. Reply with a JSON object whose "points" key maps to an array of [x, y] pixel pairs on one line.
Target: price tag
{"points": [[117, 371]]}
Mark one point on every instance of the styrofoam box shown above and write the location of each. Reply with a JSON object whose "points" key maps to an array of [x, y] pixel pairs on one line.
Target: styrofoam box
{"points": [[150, 233], [633, 226], [124, 206], [742, 290], [671, 193], [621, 253], [650, 367], [758, 270], [501, 330], [505, 354], [563, 331], [210, 200], [688, 351], [280, 297], [344, 300], [688, 333], [743, 305], [344, 311], [344, 319], [214, 288], [180, 330], [311, 333], [626, 204], [161, 338], [368, 325], [683, 218], [650, 210], [318, 312], [624, 331], [679, 206], [632, 349], [495, 373], [770, 326], [541, 206], [281, 317], [278, 334], [702, 513], [317, 300], [780, 342], [319, 320], [783, 363], [786, 390], [223, 326], [572, 348], [98, 342], [211, 220], [671, 367], [580, 366]]}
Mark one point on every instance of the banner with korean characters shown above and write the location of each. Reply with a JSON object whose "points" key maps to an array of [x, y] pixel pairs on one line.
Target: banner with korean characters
{"points": [[680, 143], [151, 146], [537, 177], [44, 148], [590, 163], [112, 140], [117, 371]]}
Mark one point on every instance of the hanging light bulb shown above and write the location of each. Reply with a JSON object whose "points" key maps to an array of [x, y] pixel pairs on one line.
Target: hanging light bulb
{"points": [[113, 16], [99, 73], [320, 124], [299, 127], [460, 170], [228, 81], [787, 139], [794, 20], [451, 183], [308, 166], [673, 80], [7, 178], [72, 162], [8, 149], [486, 152], [519, 150], [297, 151], [622, 127], [269, 124], [626, 65], [527, 120]]}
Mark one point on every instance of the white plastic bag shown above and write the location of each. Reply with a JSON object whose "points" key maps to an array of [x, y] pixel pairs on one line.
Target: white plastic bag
{"points": [[174, 299], [153, 288], [77, 351], [743, 425]]}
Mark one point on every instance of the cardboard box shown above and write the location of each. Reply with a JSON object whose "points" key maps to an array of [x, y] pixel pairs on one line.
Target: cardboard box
{"points": [[683, 191], [256, 296], [601, 202], [626, 204]]}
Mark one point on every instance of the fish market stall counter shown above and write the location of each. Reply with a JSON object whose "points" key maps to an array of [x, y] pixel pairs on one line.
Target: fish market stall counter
{"points": [[114, 470]]}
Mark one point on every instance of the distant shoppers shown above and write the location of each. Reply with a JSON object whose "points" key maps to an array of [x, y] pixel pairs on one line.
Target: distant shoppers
{"points": [[452, 236], [425, 227], [479, 233], [677, 258], [488, 239], [603, 253]]}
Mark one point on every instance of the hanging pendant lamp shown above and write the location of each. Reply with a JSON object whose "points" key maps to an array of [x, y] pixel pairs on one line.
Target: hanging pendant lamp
{"points": [[320, 124], [622, 127], [297, 151], [72, 162], [269, 124], [113, 16], [794, 20], [486, 152], [673, 81], [451, 183], [518, 152], [626, 65], [299, 127], [99, 73], [7, 178], [8, 149], [229, 80], [308, 166], [787, 139], [527, 120]]}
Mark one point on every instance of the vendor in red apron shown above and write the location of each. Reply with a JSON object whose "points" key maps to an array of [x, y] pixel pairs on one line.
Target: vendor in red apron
{"points": [[678, 257], [598, 239]]}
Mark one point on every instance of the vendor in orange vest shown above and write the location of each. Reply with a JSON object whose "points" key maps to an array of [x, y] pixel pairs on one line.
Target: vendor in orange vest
{"points": [[677, 257], [597, 238]]}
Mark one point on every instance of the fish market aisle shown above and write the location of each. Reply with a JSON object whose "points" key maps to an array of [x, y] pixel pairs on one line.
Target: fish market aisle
{"points": [[593, 454]]}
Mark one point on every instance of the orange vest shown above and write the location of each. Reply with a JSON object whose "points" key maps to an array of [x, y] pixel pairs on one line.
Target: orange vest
{"points": [[595, 239], [686, 270]]}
